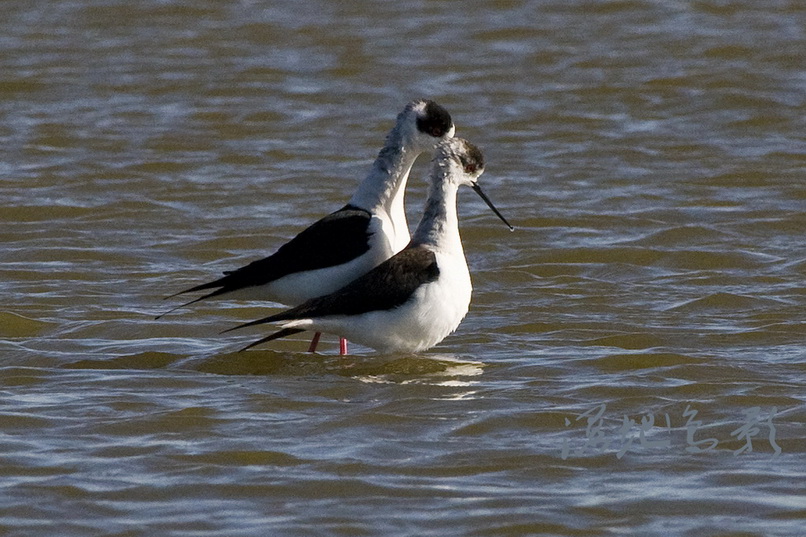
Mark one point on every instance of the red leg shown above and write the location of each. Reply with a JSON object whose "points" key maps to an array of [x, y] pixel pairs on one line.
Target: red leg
{"points": [[314, 342], [342, 346]]}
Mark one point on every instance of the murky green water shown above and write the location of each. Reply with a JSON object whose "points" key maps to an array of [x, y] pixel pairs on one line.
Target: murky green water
{"points": [[633, 362]]}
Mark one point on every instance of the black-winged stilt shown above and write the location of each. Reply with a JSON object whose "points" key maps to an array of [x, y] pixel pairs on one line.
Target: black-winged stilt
{"points": [[416, 298], [347, 243]]}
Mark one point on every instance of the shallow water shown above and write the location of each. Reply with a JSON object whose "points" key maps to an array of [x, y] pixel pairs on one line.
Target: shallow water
{"points": [[633, 361]]}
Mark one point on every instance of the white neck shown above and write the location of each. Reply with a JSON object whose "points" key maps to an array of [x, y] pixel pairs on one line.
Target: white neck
{"points": [[439, 226], [383, 190], [387, 179]]}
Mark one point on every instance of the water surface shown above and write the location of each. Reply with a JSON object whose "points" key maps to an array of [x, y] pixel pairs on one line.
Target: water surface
{"points": [[633, 361]]}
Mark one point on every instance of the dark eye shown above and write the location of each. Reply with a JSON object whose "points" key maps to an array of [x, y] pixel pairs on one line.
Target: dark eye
{"points": [[470, 168]]}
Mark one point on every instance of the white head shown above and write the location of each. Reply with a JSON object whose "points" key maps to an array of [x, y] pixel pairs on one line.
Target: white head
{"points": [[461, 162], [423, 124]]}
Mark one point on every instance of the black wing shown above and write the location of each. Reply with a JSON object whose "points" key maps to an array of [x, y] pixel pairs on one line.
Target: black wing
{"points": [[335, 239], [385, 287]]}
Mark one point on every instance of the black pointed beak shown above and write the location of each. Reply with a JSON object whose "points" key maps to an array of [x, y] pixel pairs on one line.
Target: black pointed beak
{"points": [[483, 196]]}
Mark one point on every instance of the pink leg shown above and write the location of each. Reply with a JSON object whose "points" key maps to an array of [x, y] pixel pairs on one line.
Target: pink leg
{"points": [[342, 346], [314, 342]]}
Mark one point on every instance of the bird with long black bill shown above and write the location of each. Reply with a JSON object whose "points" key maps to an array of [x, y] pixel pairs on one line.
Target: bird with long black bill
{"points": [[349, 242], [416, 298]]}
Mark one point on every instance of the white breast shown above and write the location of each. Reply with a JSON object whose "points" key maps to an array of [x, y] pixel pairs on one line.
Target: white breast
{"points": [[434, 311]]}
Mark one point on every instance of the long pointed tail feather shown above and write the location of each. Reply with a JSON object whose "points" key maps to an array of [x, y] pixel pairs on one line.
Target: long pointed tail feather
{"points": [[180, 306], [277, 335], [217, 292], [201, 287], [252, 323]]}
